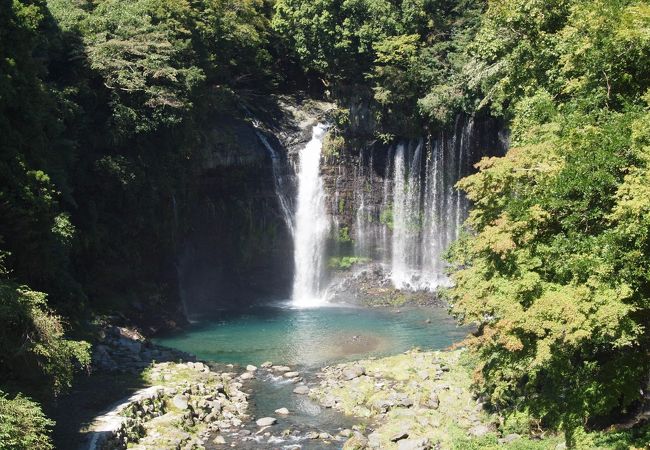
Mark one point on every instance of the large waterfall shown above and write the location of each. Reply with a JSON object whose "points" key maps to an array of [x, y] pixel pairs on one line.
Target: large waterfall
{"points": [[312, 224]]}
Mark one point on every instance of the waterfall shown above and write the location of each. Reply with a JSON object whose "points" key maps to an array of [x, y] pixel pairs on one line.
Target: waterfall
{"points": [[280, 183], [406, 215], [427, 210], [312, 224]]}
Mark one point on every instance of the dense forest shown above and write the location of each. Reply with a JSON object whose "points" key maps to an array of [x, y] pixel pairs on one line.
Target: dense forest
{"points": [[102, 107]]}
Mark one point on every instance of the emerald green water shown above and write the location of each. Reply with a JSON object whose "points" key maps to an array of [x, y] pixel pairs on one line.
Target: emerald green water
{"points": [[314, 337]]}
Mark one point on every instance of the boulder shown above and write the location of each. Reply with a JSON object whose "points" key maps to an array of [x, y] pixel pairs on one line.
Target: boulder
{"points": [[402, 434], [266, 365], [251, 368], [181, 401], [301, 390], [282, 411], [246, 376], [433, 402], [266, 421], [291, 374], [353, 372], [374, 440], [356, 442]]}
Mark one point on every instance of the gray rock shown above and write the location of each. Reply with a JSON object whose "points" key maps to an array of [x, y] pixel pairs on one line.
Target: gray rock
{"points": [[219, 440], [433, 402], [291, 374], [356, 442], [246, 376], [282, 369], [301, 390], [266, 421], [479, 430], [266, 365], [311, 435], [282, 411], [181, 401], [414, 444], [324, 436], [403, 434], [507, 439], [382, 405], [329, 401], [401, 400], [374, 440], [353, 372], [251, 368], [345, 432]]}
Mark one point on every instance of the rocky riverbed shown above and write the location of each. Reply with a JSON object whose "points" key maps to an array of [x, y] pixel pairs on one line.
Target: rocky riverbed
{"points": [[416, 400], [186, 403]]}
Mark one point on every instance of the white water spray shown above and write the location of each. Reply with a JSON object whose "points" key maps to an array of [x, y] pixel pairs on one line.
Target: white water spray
{"points": [[312, 224]]}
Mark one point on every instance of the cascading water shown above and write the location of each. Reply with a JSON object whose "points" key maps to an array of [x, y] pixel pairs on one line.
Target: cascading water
{"points": [[420, 212], [280, 183], [406, 215], [312, 224]]}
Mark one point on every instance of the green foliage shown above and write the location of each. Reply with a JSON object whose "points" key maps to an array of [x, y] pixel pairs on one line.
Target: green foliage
{"points": [[386, 217], [555, 272], [32, 342], [345, 262], [408, 51], [23, 425]]}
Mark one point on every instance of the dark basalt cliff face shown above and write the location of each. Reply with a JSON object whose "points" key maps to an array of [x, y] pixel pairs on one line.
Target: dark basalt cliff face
{"points": [[239, 249]]}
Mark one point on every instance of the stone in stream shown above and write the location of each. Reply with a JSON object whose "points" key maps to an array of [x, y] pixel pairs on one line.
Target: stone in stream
{"points": [[312, 435], [291, 374], [282, 411], [246, 376], [266, 365], [301, 390], [266, 421], [219, 440], [282, 369], [345, 432], [251, 368]]}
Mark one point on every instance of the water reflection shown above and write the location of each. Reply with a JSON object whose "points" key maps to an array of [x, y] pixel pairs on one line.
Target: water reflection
{"points": [[310, 337]]}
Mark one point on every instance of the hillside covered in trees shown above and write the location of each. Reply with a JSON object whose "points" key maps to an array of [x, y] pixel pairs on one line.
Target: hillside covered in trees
{"points": [[104, 106]]}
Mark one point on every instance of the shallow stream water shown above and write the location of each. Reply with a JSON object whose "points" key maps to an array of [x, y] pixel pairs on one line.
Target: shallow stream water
{"points": [[307, 339]]}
